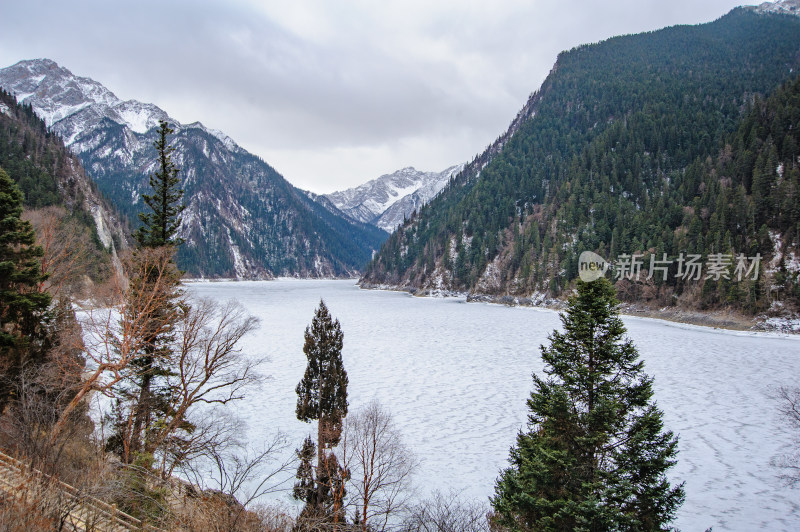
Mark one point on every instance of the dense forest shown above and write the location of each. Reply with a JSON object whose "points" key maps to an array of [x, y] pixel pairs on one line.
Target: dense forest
{"points": [[675, 152], [679, 141], [57, 194], [35, 157]]}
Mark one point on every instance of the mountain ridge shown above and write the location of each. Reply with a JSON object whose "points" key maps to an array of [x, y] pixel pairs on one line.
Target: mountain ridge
{"points": [[785, 7], [242, 220], [50, 176]]}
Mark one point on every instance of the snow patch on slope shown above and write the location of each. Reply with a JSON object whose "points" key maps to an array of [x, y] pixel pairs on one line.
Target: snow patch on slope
{"points": [[389, 199], [102, 231], [783, 7]]}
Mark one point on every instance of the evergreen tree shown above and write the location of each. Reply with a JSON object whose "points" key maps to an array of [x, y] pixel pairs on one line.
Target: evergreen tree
{"points": [[653, 181], [158, 236], [160, 227], [23, 306], [595, 454], [322, 397], [151, 271], [305, 488]]}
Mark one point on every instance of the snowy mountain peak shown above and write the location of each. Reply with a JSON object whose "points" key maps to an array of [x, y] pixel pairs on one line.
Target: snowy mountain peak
{"points": [[242, 218], [785, 7], [74, 104], [388, 199], [53, 91]]}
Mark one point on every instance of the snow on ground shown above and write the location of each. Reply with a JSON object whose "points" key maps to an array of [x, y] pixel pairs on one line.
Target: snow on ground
{"points": [[456, 377], [783, 324]]}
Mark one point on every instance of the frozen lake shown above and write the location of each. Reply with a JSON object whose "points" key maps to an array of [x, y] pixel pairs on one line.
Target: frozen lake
{"points": [[456, 376]]}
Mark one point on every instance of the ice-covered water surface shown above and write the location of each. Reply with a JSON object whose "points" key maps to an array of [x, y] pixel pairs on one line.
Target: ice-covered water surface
{"points": [[456, 377]]}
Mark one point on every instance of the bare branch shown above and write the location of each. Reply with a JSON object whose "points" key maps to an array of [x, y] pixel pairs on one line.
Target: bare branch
{"points": [[380, 466], [447, 513], [209, 367], [116, 334], [789, 399]]}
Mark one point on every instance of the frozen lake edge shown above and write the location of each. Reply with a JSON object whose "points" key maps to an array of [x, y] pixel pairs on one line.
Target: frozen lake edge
{"points": [[456, 377]]}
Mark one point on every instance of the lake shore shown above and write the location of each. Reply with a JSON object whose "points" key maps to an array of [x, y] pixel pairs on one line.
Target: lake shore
{"points": [[719, 319]]}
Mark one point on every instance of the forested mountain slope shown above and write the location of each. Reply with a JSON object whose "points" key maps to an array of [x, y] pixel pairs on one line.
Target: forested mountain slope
{"points": [[50, 176], [243, 219], [627, 148]]}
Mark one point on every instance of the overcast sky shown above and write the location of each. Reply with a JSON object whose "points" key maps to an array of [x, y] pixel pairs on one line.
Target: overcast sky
{"points": [[332, 93]]}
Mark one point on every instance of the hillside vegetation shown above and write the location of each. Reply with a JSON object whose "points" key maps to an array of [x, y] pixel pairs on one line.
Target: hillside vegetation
{"points": [[663, 142]]}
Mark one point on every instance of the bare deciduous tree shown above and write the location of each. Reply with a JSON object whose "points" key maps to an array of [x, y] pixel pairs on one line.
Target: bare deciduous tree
{"points": [[206, 363], [209, 369], [25, 424], [447, 513], [790, 408], [226, 469], [69, 254], [380, 466], [40, 391]]}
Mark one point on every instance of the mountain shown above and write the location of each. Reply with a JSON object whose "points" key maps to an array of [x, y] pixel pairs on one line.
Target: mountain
{"points": [[617, 153], [50, 176], [388, 200], [243, 219], [783, 7]]}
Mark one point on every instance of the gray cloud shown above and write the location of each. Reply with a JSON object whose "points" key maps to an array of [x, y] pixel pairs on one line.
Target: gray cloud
{"points": [[332, 93]]}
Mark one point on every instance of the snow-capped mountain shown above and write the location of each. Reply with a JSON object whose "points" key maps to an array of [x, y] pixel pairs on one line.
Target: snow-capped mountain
{"points": [[71, 104], [786, 7], [386, 201], [243, 219], [60, 97]]}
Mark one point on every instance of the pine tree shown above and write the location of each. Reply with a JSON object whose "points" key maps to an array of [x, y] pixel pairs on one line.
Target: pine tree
{"points": [[157, 236], [160, 227], [152, 271], [322, 397], [23, 306], [595, 454]]}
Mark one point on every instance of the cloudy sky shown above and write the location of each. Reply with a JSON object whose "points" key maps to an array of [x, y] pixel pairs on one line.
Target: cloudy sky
{"points": [[332, 93]]}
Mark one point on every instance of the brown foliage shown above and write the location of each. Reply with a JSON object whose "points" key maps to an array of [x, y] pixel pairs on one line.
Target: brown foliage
{"points": [[70, 258]]}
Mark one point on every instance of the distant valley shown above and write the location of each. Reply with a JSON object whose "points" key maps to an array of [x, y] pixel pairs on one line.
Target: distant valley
{"points": [[650, 147], [243, 219]]}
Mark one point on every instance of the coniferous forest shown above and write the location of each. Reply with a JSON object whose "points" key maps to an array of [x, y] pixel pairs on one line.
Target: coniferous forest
{"points": [[677, 141]]}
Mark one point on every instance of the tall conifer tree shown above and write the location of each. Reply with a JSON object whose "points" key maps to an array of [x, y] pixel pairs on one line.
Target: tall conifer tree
{"points": [[22, 305], [159, 230], [160, 227], [595, 454], [322, 397]]}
